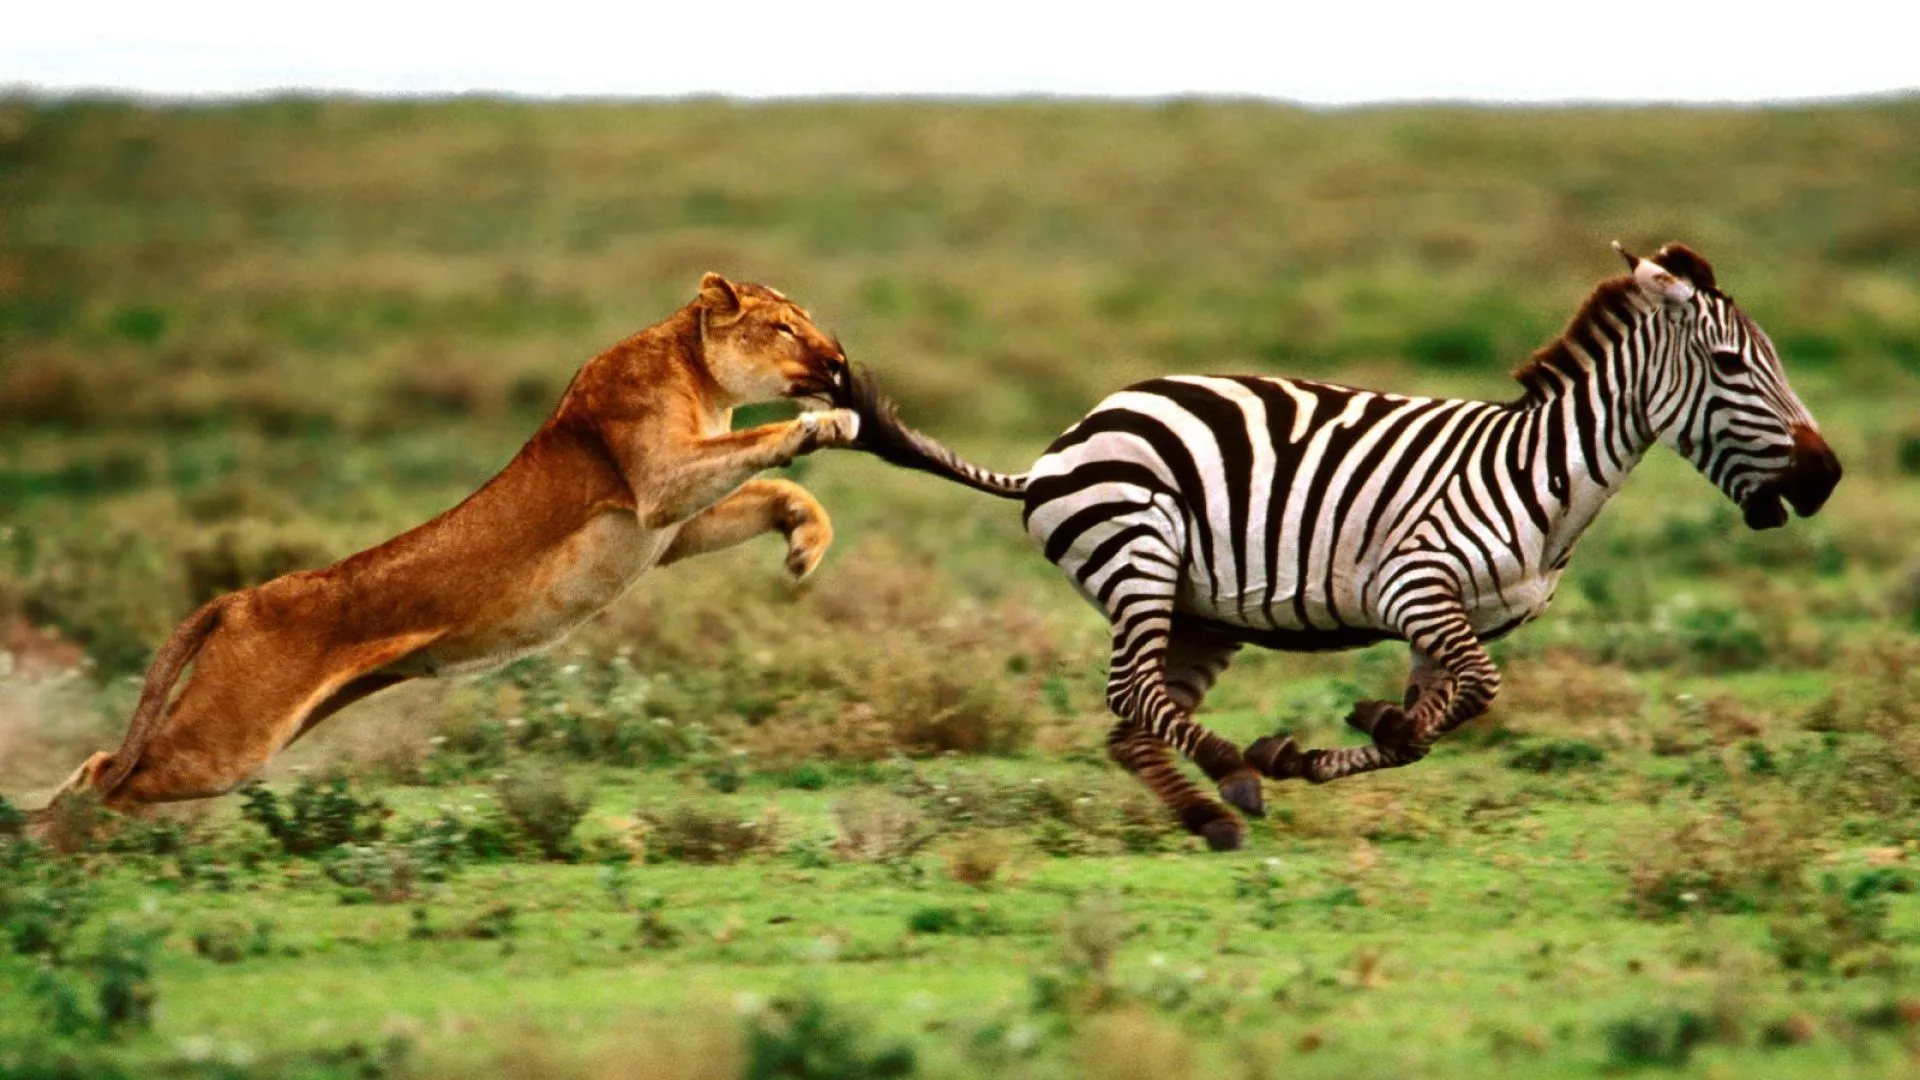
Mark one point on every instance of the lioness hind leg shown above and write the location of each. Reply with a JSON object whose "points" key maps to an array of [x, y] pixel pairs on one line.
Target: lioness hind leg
{"points": [[763, 505], [41, 823], [240, 708], [83, 777]]}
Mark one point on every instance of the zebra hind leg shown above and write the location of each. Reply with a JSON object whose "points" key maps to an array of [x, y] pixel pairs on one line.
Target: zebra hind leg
{"points": [[1194, 662], [1154, 712], [1136, 750]]}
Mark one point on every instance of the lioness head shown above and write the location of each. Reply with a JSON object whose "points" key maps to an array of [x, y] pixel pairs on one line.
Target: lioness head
{"points": [[759, 345]]}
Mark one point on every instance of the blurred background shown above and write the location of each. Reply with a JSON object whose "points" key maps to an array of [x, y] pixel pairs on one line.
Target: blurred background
{"points": [[243, 338], [240, 337]]}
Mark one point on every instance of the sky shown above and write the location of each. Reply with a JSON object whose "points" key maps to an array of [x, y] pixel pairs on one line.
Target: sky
{"points": [[1332, 53]]}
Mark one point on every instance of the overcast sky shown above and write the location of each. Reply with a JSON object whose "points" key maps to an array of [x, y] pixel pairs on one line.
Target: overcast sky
{"points": [[1330, 52]]}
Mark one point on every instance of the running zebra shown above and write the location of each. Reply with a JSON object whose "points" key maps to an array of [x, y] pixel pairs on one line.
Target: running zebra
{"points": [[1204, 513]]}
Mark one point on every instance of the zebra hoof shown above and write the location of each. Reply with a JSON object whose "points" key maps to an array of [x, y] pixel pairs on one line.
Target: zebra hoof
{"points": [[1277, 756], [1387, 724], [1215, 824], [1225, 834], [1242, 791]]}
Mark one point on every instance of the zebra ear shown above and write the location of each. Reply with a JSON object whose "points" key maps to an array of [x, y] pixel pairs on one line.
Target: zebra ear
{"points": [[1655, 280]]}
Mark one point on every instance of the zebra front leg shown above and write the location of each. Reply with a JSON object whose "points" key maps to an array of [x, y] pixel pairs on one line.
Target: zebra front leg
{"points": [[1453, 680]]}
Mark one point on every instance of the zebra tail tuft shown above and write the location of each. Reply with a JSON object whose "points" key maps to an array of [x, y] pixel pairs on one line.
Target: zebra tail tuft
{"points": [[883, 435]]}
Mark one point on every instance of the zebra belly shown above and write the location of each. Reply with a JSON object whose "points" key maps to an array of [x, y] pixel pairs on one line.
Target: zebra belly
{"points": [[1513, 606], [1282, 639], [1278, 618]]}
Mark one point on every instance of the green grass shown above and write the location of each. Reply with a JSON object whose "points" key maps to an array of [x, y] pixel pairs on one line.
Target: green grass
{"points": [[237, 339]]}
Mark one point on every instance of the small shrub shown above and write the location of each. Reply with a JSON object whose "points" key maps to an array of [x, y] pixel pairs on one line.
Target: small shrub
{"points": [[1664, 1040], [373, 873], [1905, 595], [1555, 756], [52, 389], [977, 860], [231, 939], [497, 923], [43, 900], [802, 1039], [246, 554], [806, 776], [934, 920], [1115, 815], [651, 929], [1749, 860], [975, 921], [544, 705], [1562, 690], [690, 834], [1906, 453], [1839, 919], [1721, 639], [879, 828], [120, 971], [544, 809], [111, 593], [1263, 885], [318, 816], [441, 845], [1080, 980], [1134, 1044]]}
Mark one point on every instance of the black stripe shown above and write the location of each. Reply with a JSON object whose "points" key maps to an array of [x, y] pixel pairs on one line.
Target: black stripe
{"points": [[1228, 425]]}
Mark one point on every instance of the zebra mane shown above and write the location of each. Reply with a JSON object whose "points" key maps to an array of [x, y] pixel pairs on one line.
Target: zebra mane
{"points": [[1614, 300]]}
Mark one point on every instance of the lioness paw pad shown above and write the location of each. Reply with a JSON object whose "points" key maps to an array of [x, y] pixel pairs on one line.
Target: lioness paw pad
{"points": [[834, 427]]}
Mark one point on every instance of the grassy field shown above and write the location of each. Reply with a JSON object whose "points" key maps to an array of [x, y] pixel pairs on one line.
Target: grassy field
{"points": [[865, 829]]}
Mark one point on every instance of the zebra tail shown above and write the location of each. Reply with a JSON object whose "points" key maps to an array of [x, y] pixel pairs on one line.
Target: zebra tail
{"points": [[883, 435]]}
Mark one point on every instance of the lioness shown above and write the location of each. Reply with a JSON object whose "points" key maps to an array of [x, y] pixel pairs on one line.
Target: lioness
{"points": [[636, 468]]}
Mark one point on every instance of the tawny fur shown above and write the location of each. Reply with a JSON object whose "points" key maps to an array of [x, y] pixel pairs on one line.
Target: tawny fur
{"points": [[637, 467]]}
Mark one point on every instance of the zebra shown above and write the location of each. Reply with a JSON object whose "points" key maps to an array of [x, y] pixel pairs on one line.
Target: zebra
{"points": [[1204, 513]]}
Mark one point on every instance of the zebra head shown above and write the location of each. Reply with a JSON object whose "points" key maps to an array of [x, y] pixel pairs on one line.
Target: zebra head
{"points": [[1727, 406]]}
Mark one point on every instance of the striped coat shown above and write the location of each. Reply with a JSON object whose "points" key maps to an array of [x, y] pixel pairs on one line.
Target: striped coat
{"points": [[1201, 514]]}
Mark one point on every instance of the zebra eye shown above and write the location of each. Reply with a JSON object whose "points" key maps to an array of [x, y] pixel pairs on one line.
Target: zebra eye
{"points": [[1729, 362]]}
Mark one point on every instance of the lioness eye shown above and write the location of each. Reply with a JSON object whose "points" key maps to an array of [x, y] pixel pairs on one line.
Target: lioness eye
{"points": [[1729, 362], [783, 328]]}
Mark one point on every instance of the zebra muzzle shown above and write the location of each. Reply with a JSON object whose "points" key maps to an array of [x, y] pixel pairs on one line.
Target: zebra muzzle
{"points": [[1805, 484]]}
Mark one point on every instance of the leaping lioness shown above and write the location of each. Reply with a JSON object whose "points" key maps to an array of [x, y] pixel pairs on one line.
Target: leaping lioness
{"points": [[636, 468]]}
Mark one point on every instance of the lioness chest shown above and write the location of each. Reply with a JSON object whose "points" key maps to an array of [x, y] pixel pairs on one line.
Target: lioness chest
{"points": [[548, 598]]}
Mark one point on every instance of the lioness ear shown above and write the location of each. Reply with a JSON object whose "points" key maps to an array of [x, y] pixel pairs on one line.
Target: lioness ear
{"points": [[718, 296]]}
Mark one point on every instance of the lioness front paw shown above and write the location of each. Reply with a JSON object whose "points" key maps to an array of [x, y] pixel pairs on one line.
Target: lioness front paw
{"points": [[830, 427]]}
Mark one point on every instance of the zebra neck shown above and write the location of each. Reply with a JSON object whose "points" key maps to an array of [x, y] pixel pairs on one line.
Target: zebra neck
{"points": [[1585, 438]]}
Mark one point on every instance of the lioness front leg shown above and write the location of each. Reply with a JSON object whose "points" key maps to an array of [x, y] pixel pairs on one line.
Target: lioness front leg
{"points": [[763, 505], [704, 472]]}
